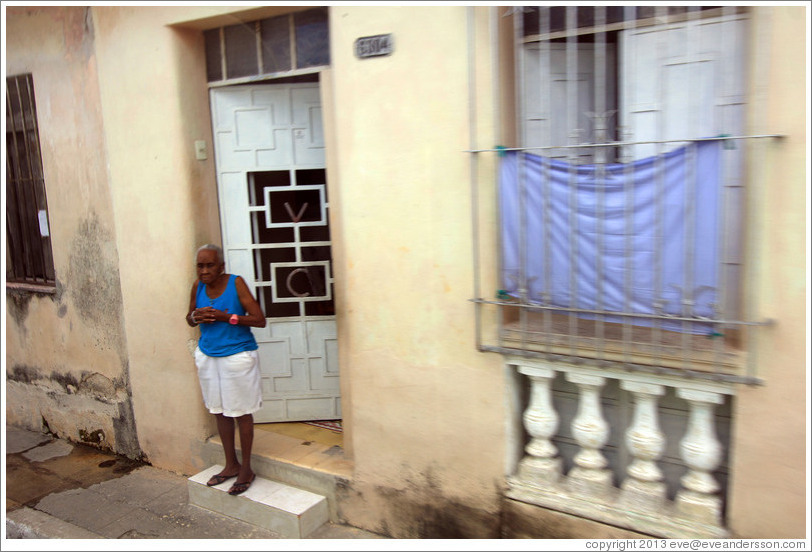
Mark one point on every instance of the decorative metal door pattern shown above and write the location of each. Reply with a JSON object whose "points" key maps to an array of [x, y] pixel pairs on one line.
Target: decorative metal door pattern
{"points": [[271, 174]]}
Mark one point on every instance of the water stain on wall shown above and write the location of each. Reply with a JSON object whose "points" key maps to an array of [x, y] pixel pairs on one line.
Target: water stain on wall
{"points": [[421, 511], [95, 287], [17, 303]]}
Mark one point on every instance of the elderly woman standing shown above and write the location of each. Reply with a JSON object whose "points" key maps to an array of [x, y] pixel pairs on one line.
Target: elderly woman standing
{"points": [[226, 358]]}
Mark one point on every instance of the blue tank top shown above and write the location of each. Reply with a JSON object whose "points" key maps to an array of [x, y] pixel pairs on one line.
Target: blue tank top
{"points": [[220, 339]]}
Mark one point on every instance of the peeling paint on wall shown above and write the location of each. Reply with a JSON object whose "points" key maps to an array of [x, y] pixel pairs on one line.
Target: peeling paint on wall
{"points": [[78, 32], [92, 409], [95, 437]]}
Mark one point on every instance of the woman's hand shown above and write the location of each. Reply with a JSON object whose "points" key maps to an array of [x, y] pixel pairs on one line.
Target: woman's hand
{"points": [[207, 315]]}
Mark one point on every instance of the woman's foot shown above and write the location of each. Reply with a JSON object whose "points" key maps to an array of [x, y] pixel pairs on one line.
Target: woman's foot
{"points": [[241, 486], [223, 476]]}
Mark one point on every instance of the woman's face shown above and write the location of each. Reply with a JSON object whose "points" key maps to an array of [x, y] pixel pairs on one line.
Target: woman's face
{"points": [[208, 269]]}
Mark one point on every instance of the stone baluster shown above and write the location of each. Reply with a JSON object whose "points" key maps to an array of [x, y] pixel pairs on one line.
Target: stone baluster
{"points": [[702, 452], [590, 476], [542, 465], [644, 489]]}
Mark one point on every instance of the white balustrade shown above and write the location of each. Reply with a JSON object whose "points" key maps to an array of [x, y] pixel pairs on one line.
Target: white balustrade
{"points": [[702, 452], [641, 503], [590, 474], [644, 488], [541, 422]]}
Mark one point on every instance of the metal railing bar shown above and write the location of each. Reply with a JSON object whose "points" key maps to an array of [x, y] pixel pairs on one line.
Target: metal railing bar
{"points": [[600, 131], [658, 370], [725, 198], [572, 123], [473, 164], [531, 307], [629, 13], [627, 143], [521, 169]]}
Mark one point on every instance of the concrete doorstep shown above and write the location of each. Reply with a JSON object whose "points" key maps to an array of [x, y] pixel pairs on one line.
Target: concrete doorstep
{"points": [[291, 512]]}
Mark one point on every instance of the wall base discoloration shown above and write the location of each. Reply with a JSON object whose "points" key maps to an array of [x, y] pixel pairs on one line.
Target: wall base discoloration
{"points": [[417, 512], [527, 521], [73, 410]]}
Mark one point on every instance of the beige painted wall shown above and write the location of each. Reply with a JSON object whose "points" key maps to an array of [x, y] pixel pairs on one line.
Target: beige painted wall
{"points": [[66, 356], [768, 474], [155, 105], [426, 412], [427, 409]]}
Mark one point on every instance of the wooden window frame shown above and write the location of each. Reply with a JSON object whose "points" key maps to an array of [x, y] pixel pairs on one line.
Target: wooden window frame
{"points": [[29, 255]]}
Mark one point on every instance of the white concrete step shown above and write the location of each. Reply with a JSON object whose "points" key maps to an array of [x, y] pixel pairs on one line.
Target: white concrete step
{"points": [[291, 512]]}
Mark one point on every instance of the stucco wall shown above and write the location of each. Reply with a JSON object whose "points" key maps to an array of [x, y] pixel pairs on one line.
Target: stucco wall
{"points": [[427, 409], [768, 473], [66, 354], [155, 106], [122, 97]]}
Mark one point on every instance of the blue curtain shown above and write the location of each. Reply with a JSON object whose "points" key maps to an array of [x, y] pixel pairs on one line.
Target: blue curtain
{"points": [[632, 217]]}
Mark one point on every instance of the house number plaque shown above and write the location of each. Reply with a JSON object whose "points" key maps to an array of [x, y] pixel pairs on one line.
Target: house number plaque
{"points": [[372, 46]]}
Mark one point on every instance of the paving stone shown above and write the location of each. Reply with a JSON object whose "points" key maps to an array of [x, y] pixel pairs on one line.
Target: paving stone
{"points": [[20, 440], [203, 524], [84, 508], [138, 488], [27, 483], [142, 524], [171, 502], [86, 466], [53, 449], [27, 523], [332, 531], [12, 505]]}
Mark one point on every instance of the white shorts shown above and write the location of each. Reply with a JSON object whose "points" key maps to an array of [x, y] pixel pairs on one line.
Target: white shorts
{"points": [[231, 385]]}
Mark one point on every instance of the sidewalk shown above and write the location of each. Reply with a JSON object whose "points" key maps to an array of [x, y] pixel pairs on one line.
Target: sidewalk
{"points": [[56, 489]]}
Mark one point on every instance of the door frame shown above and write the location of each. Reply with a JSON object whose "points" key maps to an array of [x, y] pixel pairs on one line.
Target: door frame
{"points": [[221, 168]]}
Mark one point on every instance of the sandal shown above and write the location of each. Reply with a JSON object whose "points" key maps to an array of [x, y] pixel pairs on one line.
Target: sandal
{"points": [[239, 488], [219, 478]]}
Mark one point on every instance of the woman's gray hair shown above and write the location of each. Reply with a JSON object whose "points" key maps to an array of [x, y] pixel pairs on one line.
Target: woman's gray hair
{"points": [[211, 247]]}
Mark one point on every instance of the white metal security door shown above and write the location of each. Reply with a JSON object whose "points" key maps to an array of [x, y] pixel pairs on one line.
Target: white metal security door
{"points": [[269, 150]]}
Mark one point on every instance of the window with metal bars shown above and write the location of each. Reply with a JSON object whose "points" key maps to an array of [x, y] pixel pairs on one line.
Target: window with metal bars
{"points": [[620, 206], [283, 45], [29, 259]]}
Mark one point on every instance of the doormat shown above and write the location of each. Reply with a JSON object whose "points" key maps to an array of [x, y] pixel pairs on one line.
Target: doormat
{"points": [[332, 425]]}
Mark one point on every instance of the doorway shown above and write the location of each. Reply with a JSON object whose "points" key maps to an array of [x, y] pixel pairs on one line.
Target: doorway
{"points": [[274, 212]]}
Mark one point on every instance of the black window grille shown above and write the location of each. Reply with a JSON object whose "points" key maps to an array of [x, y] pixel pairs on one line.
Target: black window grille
{"points": [[28, 242]]}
